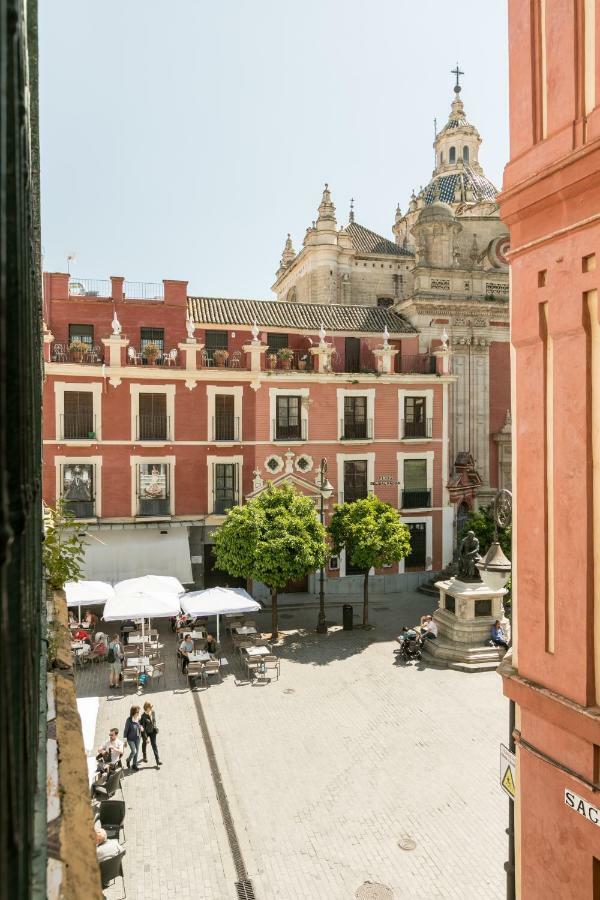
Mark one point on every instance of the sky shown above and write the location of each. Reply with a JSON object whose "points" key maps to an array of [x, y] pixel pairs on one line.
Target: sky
{"points": [[186, 139]]}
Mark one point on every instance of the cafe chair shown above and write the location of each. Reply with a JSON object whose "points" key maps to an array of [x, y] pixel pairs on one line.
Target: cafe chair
{"points": [[129, 675], [158, 671], [194, 671], [111, 869], [112, 816], [109, 788], [272, 663], [211, 669]]}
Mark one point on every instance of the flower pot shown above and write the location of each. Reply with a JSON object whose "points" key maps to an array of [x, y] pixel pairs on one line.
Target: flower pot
{"points": [[271, 362], [301, 365], [220, 362], [76, 355], [151, 359], [286, 363]]}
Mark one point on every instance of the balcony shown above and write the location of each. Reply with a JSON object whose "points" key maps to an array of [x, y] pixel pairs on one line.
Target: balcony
{"points": [[416, 499], [286, 432], [153, 428], [93, 355], [223, 501], [225, 428], [356, 431], [150, 507], [351, 496], [418, 364], [89, 287], [167, 359], [416, 430], [77, 427], [219, 358], [292, 360]]}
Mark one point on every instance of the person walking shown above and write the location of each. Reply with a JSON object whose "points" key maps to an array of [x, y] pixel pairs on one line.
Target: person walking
{"points": [[150, 730], [115, 658], [132, 733]]}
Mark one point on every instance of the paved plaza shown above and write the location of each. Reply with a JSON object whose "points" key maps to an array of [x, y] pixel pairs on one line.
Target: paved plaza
{"points": [[323, 772]]}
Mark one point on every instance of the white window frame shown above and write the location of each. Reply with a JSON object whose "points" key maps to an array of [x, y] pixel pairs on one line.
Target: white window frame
{"points": [[212, 390], [402, 395], [302, 392], [134, 462], [96, 461], [169, 391], [92, 387], [210, 461], [358, 457], [428, 520], [369, 393], [427, 455]]}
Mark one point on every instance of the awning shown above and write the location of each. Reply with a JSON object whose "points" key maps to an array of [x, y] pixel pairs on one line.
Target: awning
{"points": [[81, 593], [218, 601], [116, 555]]}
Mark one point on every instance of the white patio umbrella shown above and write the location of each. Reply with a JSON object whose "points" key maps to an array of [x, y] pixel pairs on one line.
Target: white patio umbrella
{"points": [[86, 593], [158, 585], [147, 597], [218, 601]]}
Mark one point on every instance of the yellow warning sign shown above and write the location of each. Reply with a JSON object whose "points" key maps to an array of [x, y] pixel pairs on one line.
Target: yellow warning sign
{"points": [[508, 765], [508, 782]]}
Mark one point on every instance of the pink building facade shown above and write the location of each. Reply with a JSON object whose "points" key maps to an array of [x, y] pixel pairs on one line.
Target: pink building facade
{"points": [[162, 411]]}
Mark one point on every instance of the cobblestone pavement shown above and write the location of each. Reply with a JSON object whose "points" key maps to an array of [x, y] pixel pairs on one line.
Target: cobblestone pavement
{"points": [[325, 770]]}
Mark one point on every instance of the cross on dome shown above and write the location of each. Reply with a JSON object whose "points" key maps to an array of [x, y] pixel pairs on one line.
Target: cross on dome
{"points": [[458, 72]]}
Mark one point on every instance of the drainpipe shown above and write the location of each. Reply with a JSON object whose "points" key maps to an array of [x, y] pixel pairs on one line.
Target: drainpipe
{"points": [[509, 866]]}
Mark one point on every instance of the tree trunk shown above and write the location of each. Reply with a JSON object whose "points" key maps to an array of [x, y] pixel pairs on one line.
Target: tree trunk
{"points": [[366, 600], [275, 632]]}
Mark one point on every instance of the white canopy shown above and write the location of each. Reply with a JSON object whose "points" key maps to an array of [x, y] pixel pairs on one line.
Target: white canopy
{"points": [[124, 553], [159, 585], [81, 593], [218, 601], [141, 605]]}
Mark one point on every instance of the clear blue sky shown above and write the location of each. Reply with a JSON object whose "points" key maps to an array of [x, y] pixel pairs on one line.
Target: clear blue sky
{"points": [[185, 139]]}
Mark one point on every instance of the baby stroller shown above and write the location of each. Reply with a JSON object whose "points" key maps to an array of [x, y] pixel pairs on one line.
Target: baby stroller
{"points": [[410, 645]]}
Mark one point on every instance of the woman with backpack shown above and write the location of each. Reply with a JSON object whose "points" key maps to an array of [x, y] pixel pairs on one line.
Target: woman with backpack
{"points": [[132, 733], [150, 730], [115, 659]]}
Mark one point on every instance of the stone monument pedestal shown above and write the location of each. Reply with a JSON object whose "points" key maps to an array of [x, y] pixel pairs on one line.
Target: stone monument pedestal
{"points": [[464, 618]]}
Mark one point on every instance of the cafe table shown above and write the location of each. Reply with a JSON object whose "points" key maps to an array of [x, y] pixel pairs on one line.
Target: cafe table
{"points": [[198, 634], [138, 639], [245, 629], [199, 656], [137, 662], [258, 651]]}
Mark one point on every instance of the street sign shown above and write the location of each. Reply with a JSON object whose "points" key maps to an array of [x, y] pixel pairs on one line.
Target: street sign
{"points": [[508, 764], [581, 806]]}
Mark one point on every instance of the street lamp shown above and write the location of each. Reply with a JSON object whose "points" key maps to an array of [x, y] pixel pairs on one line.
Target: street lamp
{"points": [[326, 490], [495, 571]]}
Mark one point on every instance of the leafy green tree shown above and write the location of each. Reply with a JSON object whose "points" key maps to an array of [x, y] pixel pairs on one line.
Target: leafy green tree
{"points": [[275, 538], [482, 523], [372, 534], [63, 549]]}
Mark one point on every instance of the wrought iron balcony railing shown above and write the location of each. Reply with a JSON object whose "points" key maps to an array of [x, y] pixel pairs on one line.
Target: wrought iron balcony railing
{"points": [[77, 426], [416, 499], [422, 429], [286, 432], [153, 428], [356, 431], [225, 428]]}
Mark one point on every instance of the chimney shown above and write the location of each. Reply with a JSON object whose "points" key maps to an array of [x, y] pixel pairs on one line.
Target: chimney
{"points": [[175, 292]]}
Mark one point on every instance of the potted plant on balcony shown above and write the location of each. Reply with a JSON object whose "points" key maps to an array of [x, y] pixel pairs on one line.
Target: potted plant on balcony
{"points": [[303, 362], [271, 360], [220, 357], [151, 352], [77, 348], [286, 356]]}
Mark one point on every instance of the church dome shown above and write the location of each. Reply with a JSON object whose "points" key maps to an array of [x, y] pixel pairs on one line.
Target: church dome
{"points": [[459, 187]]}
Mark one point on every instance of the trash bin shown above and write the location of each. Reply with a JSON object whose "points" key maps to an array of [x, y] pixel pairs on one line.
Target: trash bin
{"points": [[347, 612]]}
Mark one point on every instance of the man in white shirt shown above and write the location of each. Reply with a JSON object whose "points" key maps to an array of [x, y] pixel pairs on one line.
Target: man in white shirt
{"points": [[113, 748], [106, 848], [429, 628], [185, 648]]}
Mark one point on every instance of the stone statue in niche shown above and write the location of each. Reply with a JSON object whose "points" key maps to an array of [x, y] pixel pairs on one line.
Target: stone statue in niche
{"points": [[469, 556]]}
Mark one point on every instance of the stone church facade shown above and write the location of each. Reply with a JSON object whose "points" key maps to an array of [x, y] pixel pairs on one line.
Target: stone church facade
{"points": [[446, 270]]}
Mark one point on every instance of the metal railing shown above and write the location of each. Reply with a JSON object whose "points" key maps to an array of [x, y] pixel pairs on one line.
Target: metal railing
{"points": [[168, 358], [153, 428], [89, 287], [284, 432], [356, 431], [417, 429], [143, 290], [77, 426], [352, 496], [92, 356], [233, 360], [416, 499], [223, 501], [225, 428], [419, 364], [297, 360], [152, 507]]}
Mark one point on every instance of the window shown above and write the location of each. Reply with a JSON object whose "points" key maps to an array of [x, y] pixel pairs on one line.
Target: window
{"points": [[452, 154], [352, 354], [153, 423], [78, 420], [215, 340], [385, 302], [415, 494], [288, 419], [465, 154], [78, 489], [442, 158], [416, 559], [83, 333], [355, 425], [224, 487], [355, 480], [153, 490], [225, 423], [152, 336], [276, 341], [415, 422]]}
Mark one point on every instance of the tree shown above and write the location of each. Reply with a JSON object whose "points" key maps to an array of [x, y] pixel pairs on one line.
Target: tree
{"points": [[372, 534], [275, 538], [63, 548], [482, 523]]}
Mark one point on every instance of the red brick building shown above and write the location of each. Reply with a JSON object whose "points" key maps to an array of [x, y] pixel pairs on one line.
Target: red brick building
{"points": [[151, 450], [551, 202]]}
